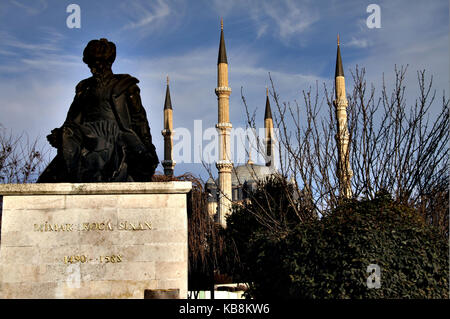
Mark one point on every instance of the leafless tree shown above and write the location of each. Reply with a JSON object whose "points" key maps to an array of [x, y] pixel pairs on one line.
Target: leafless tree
{"points": [[395, 145], [21, 160]]}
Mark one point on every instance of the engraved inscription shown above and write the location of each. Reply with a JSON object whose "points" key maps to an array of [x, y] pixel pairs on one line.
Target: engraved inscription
{"points": [[135, 226], [101, 259], [75, 259], [93, 226], [46, 227]]}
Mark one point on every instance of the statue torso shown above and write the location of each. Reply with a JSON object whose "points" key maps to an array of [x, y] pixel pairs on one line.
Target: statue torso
{"points": [[96, 101]]}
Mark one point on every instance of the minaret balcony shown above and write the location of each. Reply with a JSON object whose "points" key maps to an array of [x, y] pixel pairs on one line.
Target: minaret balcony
{"points": [[343, 136], [223, 90], [224, 166], [168, 163], [224, 125], [340, 103], [167, 132]]}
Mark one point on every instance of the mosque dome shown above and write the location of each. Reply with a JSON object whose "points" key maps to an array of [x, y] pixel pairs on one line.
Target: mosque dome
{"points": [[210, 182], [250, 172]]}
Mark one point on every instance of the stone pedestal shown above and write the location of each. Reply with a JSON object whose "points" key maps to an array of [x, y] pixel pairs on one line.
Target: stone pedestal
{"points": [[99, 240]]}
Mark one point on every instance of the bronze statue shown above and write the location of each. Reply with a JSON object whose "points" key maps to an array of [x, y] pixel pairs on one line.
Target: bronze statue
{"points": [[106, 136]]}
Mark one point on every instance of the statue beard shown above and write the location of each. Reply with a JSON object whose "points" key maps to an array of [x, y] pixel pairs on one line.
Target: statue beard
{"points": [[101, 72]]}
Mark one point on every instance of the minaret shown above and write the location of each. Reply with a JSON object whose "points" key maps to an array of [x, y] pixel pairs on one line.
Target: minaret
{"points": [[224, 164], [168, 163], [342, 136], [268, 128], [249, 161]]}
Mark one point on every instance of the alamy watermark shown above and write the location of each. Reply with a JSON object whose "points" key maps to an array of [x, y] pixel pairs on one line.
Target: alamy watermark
{"points": [[201, 145], [374, 19], [71, 279], [374, 279], [74, 18]]}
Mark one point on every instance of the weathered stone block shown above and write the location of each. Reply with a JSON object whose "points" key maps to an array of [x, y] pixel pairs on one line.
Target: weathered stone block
{"points": [[93, 240]]}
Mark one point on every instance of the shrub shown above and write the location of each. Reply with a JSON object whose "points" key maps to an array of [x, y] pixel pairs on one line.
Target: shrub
{"points": [[328, 257]]}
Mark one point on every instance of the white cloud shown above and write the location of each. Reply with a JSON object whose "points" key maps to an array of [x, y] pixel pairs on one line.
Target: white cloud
{"points": [[223, 8], [10, 41], [31, 8], [45, 61], [284, 18], [45, 53], [7, 53], [262, 29], [406, 40], [358, 43], [290, 17], [146, 13]]}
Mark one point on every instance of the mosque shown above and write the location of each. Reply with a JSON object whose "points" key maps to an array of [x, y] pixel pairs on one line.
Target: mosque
{"points": [[235, 182]]}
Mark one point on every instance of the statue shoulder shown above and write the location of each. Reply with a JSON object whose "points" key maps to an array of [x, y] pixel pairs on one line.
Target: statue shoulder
{"points": [[83, 85], [124, 82]]}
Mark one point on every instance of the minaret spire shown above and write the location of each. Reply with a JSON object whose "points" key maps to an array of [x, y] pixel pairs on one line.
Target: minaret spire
{"points": [[268, 128], [268, 112], [168, 163], [224, 164], [167, 102], [222, 58], [339, 68], [342, 137]]}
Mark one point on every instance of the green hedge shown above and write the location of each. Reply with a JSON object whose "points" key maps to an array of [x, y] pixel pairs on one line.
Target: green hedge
{"points": [[328, 257]]}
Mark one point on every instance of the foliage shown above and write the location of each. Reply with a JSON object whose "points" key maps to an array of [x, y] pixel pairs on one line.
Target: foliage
{"points": [[21, 160], [397, 142], [271, 210], [328, 257], [398, 217]]}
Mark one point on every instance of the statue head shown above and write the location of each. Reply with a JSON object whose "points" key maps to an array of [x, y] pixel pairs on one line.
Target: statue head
{"points": [[99, 55]]}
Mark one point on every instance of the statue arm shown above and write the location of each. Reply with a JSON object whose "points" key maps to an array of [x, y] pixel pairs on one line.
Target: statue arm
{"points": [[139, 124], [73, 116], [138, 116], [74, 113]]}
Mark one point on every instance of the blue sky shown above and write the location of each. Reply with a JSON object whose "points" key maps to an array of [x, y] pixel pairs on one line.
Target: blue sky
{"points": [[40, 57]]}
